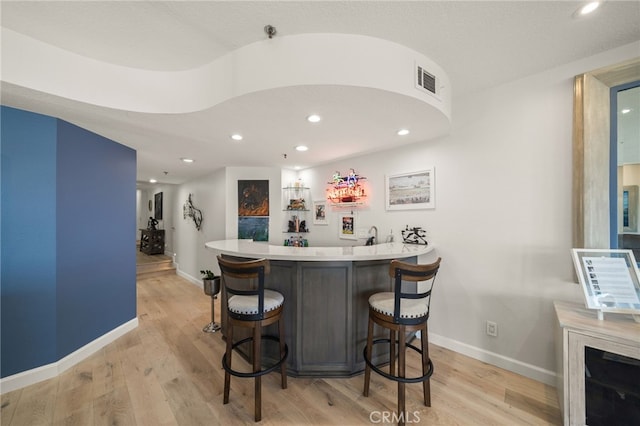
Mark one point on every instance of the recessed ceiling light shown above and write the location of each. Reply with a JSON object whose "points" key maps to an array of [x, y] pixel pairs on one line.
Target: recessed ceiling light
{"points": [[236, 137], [314, 118], [297, 167], [403, 132], [152, 180], [589, 7], [626, 111], [187, 160], [301, 148]]}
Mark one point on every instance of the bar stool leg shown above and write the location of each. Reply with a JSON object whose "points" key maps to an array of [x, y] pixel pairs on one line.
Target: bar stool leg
{"points": [[257, 334], [227, 376], [392, 352], [401, 373], [426, 385], [283, 368], [367, 369]]}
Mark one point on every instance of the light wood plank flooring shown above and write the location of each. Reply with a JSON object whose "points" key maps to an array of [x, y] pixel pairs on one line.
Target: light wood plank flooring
{"points": [[148, 266], [168, 372]]}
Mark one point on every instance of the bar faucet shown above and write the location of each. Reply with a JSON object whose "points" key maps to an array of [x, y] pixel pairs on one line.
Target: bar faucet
{"points": [[374, 239]]}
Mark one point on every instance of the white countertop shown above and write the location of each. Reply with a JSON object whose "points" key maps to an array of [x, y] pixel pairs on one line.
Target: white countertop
{"points": [[254, 249]]}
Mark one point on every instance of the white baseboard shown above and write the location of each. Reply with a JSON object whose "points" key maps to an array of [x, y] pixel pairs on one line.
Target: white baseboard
{"points": [[191, 279], [518, 367], [38, 374]]}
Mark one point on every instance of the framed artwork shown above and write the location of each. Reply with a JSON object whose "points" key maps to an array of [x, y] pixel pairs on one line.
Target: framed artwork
{"points": [[189, 210], [320, 212], [413, 190], [253, 198], [158, 206], [255, 228], [347, 226], [609, 279]]}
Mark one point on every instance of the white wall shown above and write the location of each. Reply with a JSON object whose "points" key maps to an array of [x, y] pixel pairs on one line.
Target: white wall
{"points": [[502, 221], [142, 210], [216, 195], [208, 195]]}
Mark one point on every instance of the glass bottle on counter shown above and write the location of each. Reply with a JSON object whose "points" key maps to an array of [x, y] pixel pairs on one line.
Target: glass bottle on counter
{"points": [[296, 242]]}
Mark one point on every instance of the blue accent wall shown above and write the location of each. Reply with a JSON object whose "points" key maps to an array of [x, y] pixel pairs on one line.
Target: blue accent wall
{"points": [[67, 239], [28, 258], [96, 245]]}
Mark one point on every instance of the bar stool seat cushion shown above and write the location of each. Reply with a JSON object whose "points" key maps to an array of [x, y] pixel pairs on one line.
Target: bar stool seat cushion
{"points": [[248, 305], [409, 308]]}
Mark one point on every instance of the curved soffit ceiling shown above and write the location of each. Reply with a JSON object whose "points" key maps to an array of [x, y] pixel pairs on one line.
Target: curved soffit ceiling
{"points": [[264, 91]]}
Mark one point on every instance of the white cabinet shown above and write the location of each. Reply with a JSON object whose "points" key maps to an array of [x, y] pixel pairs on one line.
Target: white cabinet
{"points": [[579, 331]]}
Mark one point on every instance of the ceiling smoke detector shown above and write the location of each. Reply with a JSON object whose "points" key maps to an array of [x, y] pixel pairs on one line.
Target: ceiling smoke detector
{"points": [[270, 30]]}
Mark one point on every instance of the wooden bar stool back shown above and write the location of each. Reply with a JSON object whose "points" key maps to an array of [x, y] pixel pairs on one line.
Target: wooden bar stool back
{"points": [[401, 312], [251, 306]]}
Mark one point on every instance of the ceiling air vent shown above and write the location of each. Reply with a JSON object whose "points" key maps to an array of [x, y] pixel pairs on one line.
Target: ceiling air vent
{"points": [[426, 81]]}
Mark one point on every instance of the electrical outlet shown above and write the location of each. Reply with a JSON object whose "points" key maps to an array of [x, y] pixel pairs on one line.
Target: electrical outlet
{"points": [[362, 233], [492, 329]]}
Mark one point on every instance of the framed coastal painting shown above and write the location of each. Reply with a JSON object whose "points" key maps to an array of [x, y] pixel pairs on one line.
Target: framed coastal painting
{"points": [[412, 190], [320, 212]]}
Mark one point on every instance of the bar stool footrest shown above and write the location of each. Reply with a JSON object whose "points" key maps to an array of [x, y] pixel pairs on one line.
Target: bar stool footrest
{"points": [[420, 379], [263, 371]]}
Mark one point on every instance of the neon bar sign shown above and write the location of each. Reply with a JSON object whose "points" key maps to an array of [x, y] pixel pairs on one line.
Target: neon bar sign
{"points": [[345, 189]]}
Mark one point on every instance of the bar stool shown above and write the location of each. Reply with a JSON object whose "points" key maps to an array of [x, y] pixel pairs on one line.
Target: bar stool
{"points": [[401, 312], [251, 307]]}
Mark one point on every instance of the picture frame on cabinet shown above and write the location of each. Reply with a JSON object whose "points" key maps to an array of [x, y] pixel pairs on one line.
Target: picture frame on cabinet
{"points": [[347, 226], [320, 212], [609, 279], [411, 191]]}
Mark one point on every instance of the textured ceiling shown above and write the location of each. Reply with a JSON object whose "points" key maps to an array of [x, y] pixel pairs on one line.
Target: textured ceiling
{"points": [[478, 44]]}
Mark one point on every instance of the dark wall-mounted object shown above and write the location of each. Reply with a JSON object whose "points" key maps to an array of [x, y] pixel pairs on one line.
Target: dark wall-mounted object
{"points": [[158, 206], [189, 210]]}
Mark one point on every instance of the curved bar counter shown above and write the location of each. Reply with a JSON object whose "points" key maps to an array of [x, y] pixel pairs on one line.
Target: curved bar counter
{"points": [[326, 292], [255, 250]]}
